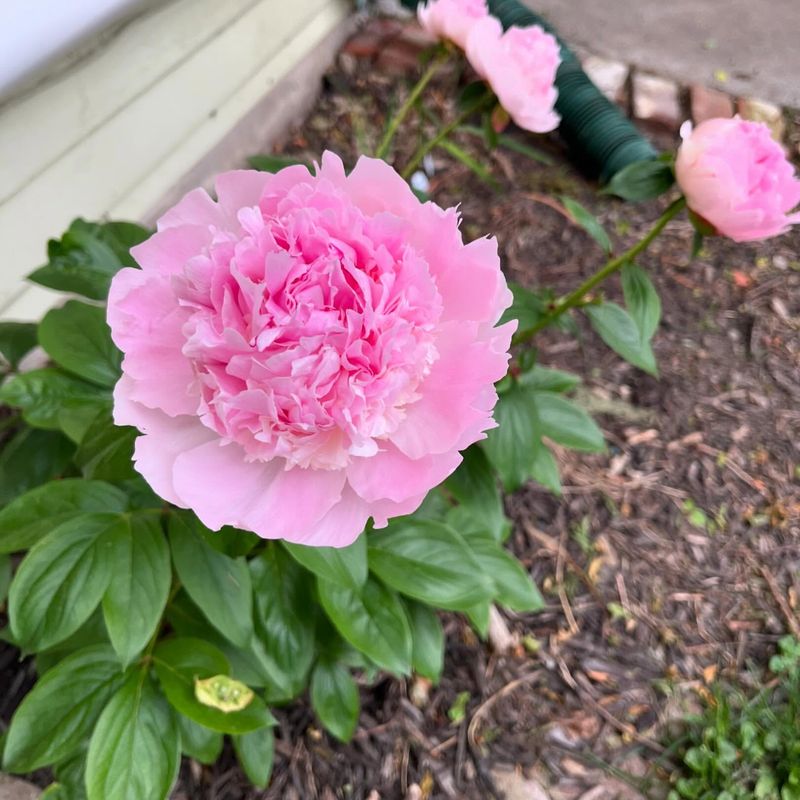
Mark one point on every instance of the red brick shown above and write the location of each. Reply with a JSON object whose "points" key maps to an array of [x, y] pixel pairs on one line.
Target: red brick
{"points": [[709, 103]]}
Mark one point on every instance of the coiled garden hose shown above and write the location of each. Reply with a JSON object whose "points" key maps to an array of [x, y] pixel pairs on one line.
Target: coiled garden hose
{"points": [[600, 138]]}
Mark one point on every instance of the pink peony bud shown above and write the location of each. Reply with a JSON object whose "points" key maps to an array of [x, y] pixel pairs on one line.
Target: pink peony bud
{"points": [[736, 177], [520, 65], [307, 351], [451, 19]]}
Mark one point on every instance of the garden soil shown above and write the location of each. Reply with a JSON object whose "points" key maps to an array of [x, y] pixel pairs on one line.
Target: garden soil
{"points": [[669, 562]]}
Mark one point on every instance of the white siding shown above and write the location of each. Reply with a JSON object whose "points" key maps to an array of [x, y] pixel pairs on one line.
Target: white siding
{"points": [[115, 133]]}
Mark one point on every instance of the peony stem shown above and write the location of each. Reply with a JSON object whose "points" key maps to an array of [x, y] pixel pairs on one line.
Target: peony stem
{"points": [[576, 297], [412, 98], [426, 147]]}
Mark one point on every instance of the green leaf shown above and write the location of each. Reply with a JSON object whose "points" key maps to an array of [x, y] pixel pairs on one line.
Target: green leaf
{"points": [[31, 457], [427, 654], [275, 163], [42, 393], [474, 485], [17, 339], [346, 566], [256, 754], [88, 256], [32, 516], [139, 585], [514, 588], [642, 300], [134, 751], [478, 616], [471, 95], [588, 221], [77, 337], [334, 698], [219, 585], [62, 579], [198, 742], [92, 632], [5, 577], [106, 450], [179, 663], [372, 620], [619, 331], [642, 180], [75, 417], [510, 446], [547, 379], [430, 562], [284, 620], [564, 422], [469, 162], [71, 776], [510, 143], [58, 714], [528, 307], [544, 468]]}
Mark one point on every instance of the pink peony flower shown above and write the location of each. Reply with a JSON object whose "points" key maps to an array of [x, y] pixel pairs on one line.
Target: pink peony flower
{"points": [[451, 19], [308, 351], [520, 65], [736, 177]]}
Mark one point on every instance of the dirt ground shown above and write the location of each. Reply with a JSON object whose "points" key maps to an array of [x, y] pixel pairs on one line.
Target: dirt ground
{"points": [[668, 562]]}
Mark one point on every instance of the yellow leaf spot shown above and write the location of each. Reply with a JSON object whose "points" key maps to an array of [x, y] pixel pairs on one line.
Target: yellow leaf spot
{"points": [[222, 692]]}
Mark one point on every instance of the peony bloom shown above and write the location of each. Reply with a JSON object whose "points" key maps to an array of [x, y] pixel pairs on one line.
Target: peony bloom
{"points": [[520, 65], [736, 177], [308, 351], [451, 19]]}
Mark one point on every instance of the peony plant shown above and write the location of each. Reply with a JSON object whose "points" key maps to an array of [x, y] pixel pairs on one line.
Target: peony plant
{"points": [[270, 437]]}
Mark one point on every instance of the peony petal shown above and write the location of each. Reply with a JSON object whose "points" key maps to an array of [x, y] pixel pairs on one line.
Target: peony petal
{"points": [[167, 251], [392, 475], [341, 526], [223, 488], [195, 208], [376, 187], [240, 188]]}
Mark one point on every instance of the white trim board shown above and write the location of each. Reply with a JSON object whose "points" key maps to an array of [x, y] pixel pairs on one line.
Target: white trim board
{"points": [[118, 132]]}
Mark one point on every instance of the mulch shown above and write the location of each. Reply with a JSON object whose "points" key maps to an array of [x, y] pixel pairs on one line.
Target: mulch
{"points": [[668, 562]]}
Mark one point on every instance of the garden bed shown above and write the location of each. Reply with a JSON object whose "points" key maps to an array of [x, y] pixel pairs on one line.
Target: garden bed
{"points": [[668, 562]]}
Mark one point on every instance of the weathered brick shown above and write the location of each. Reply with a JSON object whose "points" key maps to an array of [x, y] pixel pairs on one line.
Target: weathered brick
{"points": [[657, 100], [709, 103], [610, 77]]}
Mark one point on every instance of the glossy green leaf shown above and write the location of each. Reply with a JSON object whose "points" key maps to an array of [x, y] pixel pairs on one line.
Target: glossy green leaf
{"points": [[619, 331], [588, 221], [106, 450], [62, 579], [42, 394], [544, 467], [510, 446], [430, 562], [179, 663], [334, 698], [17, 339], [36, 513], [87, 257], [58, 714], [346, 566], [641, 300], [372, 620], [527, 307], [514, 588], [547, 379], [284, 620], [642, 180], [198, 742], [220, 586], [478, 616], [566, 423], [255, 752], [134, 752], [474, 485], [30, 458], [92, 632], [427, 636], [139, 585], [5, 577], [77, 337]]}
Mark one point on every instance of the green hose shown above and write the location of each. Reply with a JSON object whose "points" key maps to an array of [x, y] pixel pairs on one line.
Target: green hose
{"points": [[600, 138]]}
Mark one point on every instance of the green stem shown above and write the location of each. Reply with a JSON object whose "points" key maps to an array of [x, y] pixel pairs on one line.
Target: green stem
{"points": [[412, 98], [576, 297], [426, 147]]}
